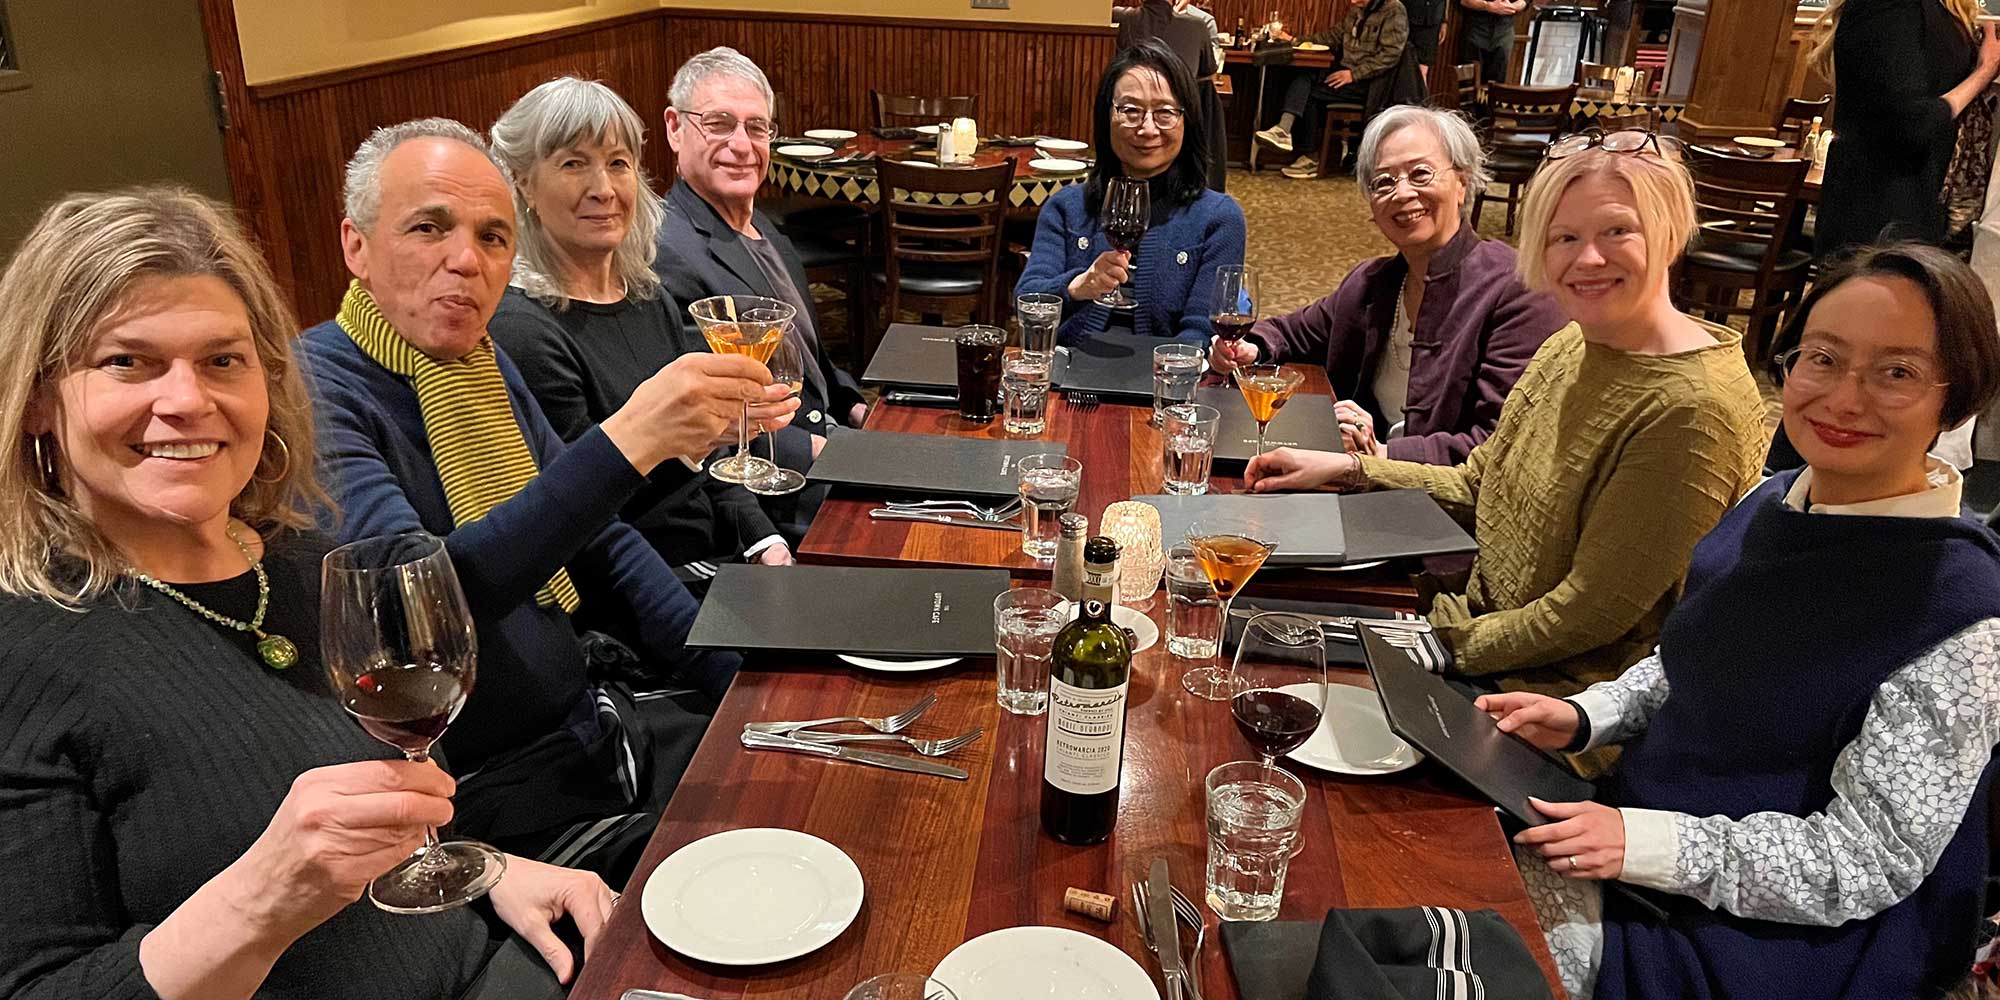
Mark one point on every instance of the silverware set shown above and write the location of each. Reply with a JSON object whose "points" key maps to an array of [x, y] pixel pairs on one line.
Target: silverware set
{"points": [[807, 738], [998, 512], [959, 513], [1081, 400], [1161, 909]]}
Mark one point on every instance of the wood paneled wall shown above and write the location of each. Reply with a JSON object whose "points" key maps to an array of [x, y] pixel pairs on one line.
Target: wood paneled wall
{"points": [[1301, 17], [288, 142]]}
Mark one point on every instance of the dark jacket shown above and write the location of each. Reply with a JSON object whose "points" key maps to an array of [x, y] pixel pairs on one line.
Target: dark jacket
{"points": [[1369, 41], [1476, 330]]}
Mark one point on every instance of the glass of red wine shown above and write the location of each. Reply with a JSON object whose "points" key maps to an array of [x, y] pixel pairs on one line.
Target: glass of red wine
{"points": [[1126, 213], [1278, 683], [1235, 302], [397, 639]]}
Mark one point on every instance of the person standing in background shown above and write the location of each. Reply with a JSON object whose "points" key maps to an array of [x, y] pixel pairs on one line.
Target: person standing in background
{"points": [[1426, 31], [1486, 36]]}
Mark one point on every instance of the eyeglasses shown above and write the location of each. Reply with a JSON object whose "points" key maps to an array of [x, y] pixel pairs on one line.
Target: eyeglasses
{"points": [[1384, 186], [1892, 384], [720, 125], [1134, 116], [1632, 140]]}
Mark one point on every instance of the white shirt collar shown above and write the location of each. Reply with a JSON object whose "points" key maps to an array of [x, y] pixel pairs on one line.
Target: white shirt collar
{"points": [[1941, 499]]}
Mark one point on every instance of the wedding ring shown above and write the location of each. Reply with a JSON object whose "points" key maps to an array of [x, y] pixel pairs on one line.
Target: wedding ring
{"points": [[1572, 862]]}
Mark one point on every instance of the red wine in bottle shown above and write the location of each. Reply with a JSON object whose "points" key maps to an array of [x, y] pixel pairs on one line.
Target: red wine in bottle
{"points": [[407, 706], [1230, 327], [1090, 668]]}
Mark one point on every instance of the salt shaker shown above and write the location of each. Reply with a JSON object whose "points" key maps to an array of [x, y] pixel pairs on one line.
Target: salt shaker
{"points": [[1068, 580]]}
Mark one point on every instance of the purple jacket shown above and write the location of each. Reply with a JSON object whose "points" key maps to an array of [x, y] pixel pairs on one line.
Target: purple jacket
{"points": [[1476, 331]]}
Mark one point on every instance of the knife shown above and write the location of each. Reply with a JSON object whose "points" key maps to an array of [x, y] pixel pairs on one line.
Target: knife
{"points": [[1166, 928], [770, 741], [905, 397], [955, 520]]}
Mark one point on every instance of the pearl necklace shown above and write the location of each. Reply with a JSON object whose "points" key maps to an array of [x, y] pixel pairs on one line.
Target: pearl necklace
{"points": [[276, 651]]}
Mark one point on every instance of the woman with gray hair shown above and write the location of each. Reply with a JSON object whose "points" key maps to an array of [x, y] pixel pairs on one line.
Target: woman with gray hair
{"points": [[587, 320], [1434, 336]]}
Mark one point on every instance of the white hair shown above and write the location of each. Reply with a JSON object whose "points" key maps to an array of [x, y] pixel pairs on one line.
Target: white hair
{"points": [[362, 193], [719, 61], [1453, 132], [558, 115]]}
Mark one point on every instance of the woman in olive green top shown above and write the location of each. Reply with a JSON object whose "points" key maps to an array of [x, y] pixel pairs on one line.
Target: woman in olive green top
{"points": [[1631, 432]]}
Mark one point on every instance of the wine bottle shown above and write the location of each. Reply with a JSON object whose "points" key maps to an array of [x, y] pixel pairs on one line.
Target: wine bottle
{"points": [[1090, 667]]}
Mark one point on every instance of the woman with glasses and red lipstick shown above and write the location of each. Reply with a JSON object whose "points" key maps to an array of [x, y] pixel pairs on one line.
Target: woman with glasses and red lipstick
{"points": [[1807, 755]]}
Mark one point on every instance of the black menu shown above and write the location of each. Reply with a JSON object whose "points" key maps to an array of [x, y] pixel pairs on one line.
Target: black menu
{"points": [[1306, 421], [926, 463], [850, 609], [1326, 529], [921, 357]]}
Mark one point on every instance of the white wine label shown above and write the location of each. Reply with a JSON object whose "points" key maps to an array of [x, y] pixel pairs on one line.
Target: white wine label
{"points": [[1086, 743]]}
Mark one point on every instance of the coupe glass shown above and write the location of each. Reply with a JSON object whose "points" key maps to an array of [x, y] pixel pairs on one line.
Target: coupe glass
{"points": [[750, 325], [788, 368], [1230, 550], [1278, 683], [1126, 213]]}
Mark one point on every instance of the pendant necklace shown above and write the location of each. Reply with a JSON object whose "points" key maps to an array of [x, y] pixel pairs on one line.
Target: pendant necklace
{"points": [[276, 651]]}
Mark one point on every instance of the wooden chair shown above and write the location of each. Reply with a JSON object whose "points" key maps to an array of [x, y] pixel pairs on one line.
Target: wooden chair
{"points": [[909, 110], [1596, 76], [1795, 118], [1466, 76], [1745, 208], [1344, 123], [943, 232], [1521, 123]]}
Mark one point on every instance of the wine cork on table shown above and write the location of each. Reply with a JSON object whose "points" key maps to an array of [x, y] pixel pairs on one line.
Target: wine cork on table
{"points": [[1095, 905]]}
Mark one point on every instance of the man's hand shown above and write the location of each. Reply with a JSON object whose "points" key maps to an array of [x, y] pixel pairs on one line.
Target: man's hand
{"points": [[690, 404], [1339, 78], [776, 555]]}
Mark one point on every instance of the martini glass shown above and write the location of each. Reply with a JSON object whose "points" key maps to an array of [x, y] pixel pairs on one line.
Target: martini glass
{"points": [[753, 326], [788, 368], [1230, 550], [1267, 387]]}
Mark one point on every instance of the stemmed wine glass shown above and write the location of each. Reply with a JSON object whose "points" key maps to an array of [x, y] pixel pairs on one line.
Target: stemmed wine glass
{"points": [[1267, 388], [750, 325], [1230, 550], [1235, 302], [1126, 213], [397, 640], [901, 986], [1278, 683], [788, 368]]}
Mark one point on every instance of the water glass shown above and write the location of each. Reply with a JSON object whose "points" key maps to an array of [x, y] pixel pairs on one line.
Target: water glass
{"points": [[901, 986], [1253, 830], [1176, 370], [1040, 314], [1024, 393], [1049, 485], [1025, 623], [1187, 446], [979, 350], [1194, 612]]}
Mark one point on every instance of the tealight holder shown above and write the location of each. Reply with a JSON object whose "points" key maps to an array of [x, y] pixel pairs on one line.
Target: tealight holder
{"points": [[1135, 526]]}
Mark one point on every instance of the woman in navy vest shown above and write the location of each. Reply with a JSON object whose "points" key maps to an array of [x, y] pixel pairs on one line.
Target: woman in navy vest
{"points": [[1805, 774]]}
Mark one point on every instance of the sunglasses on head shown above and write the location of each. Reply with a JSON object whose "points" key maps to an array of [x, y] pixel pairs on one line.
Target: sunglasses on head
{"points": [[1631, 141]]}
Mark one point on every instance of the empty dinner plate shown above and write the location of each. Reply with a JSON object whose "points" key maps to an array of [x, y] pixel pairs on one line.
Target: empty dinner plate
{"points": [[928, 129], [1354, 738], [835, 135], [1144, 632], [1057, 165], [747, 897], [805, 152], [896, 666], [1062, 145], [1045, 963], [1309, 47]]}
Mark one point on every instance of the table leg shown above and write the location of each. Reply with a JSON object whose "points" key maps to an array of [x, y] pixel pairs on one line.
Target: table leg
{"points": [[1257, 117]]}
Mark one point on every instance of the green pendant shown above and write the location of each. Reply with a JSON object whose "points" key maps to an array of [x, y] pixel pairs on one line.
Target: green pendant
{"points": [[278, 652]]}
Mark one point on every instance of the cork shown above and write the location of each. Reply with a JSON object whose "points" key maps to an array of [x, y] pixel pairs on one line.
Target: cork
{"points": [[1095, 905]]}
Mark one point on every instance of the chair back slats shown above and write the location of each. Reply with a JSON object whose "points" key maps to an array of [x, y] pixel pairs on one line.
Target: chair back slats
{"points": [[1745, 203], [1596, 76], [1796, 116], [944, 215], [910, 110], [1609, 122], [1467, 77]]}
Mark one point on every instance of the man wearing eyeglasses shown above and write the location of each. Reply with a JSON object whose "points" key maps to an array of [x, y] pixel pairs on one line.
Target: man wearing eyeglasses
{"points": [[715, 242]]}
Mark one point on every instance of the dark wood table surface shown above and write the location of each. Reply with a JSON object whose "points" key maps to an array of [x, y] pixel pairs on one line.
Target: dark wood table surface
{"points": [[1120, 453], [945, 861]]}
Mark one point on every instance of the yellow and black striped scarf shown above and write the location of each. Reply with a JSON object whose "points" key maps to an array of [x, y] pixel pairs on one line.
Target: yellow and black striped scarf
{"points": [[482, 458]]}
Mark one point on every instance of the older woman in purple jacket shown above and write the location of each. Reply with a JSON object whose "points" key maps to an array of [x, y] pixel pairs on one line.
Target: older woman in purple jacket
{"points": [[1434, 336]]}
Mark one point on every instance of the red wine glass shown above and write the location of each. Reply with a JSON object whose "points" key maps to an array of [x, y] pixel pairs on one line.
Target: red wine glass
{"points": [[1278, 683], [1235, 302], [397, 639], [1126, 213]]}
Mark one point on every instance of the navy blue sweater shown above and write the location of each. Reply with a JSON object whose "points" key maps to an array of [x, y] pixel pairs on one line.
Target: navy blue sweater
{"points": [[376, 459]]}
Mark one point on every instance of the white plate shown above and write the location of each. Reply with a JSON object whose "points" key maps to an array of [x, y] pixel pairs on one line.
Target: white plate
{"points": [[1309, 47], [1758, 141], [748, 897], [1143, 630], [1350, 709], [1043, 963], [1057, 165], [916, 163], [833, 135], [1062, 145], [927, 129], [805, 152], [896, 666], [1349, 568]]}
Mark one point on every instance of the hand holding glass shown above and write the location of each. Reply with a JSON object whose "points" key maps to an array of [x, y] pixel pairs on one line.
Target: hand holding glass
{"points": [[1235, 301], [1126, 214], [788, 368], [753, 326]]}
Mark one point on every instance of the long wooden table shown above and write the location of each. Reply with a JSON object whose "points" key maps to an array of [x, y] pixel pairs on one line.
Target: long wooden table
{"points": [[945, 861]]}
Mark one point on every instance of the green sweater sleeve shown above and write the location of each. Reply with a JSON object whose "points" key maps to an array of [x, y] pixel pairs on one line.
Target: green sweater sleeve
{"points": [[1454, 487]]}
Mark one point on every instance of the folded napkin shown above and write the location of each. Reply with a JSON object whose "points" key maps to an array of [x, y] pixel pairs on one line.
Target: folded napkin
{"points": [[1410, 953]]}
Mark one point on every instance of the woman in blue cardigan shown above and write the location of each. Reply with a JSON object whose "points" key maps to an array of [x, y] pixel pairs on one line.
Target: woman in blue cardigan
{"points": [[1149, 125]]}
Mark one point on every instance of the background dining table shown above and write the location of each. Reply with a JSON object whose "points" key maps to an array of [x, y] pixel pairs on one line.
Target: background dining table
{"points": [[836, 179]]}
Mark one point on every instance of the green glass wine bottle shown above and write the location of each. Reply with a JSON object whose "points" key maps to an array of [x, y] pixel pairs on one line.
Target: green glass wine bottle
{"points": [[1090, 668]]}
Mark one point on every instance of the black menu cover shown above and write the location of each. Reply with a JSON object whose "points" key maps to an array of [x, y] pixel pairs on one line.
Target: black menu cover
{"points": [[1306, 421], [923, 357], [1391, 524], [926, 463], [1328, 529], [850, 609], [1110, 364]]}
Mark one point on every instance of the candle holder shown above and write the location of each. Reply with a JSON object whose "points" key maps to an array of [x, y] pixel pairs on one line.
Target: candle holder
{"points": [[1135, 526]]}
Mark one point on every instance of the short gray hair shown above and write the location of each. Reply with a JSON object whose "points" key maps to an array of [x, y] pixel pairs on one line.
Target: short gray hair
{"points": [[719, 61], [563, 114], [362, 194], [1453, 132]]}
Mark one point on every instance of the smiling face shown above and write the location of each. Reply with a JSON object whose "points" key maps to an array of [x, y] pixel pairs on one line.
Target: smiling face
{"points": [[1874, 322], [727, 170], [442, 246], [1596, 256], [161, 422], [1420, 219], [584, 196], [1149, 149]]}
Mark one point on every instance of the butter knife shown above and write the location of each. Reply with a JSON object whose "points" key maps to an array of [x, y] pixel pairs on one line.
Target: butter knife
{"points": [[1166, 928], [894, 762], [955, 520]]}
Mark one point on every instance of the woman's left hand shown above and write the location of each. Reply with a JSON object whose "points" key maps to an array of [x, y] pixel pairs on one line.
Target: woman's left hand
{"points": [[533, 896], [1586, 841], [1357, 429]]}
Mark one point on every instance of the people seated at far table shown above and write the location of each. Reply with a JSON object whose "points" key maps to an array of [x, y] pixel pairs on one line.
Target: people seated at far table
{"points": [[190, 813], [1461, 327], [1631, 432], [1367, 43], [1148, 126], [587, 321], [1808, 756], [424, 425], [714, 241]]}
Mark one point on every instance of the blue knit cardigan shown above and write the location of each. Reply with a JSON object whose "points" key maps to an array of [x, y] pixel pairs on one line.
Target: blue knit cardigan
{"points": [[1173, 271]]}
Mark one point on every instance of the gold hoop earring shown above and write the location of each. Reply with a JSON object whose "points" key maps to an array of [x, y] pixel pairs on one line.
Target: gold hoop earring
{"points": [[45, 462], [282, 447]]}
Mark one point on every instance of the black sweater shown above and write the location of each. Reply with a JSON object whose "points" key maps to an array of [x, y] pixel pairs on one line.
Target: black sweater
{"points": [[142, 750]]}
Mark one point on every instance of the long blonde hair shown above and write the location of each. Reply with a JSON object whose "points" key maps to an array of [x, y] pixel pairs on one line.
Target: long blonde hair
{"points": [[1820, 56], [73, 271]]}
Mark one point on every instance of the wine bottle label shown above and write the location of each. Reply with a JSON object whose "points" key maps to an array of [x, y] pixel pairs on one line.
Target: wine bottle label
{"points": [[1086, 743]]}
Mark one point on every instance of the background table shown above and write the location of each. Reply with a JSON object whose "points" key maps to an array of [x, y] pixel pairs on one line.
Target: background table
{"points": [[855, 182], [946, 861]]}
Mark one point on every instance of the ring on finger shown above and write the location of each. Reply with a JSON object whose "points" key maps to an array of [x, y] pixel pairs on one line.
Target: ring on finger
{"points": [[1572, 862]]}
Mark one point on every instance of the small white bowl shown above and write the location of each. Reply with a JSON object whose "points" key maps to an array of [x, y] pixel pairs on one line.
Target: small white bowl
{"points": [[1057, 147]]}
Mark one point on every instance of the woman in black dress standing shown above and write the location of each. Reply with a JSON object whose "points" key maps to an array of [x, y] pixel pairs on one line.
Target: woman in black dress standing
{"points": [[1903, 72]]}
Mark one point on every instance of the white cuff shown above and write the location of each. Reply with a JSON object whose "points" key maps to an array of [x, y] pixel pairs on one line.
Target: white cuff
{"points": [[1651, 844], [763, 543], [1602, 710], [693, 464]]}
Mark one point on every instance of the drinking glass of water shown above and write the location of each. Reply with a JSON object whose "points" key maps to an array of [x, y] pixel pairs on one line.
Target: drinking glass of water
{"points": [[1040, 314], [1049, 485], [1176, 370], [1253, 831], [1194, 612], [1024, 393], [1187, 446], [1025, 623]]}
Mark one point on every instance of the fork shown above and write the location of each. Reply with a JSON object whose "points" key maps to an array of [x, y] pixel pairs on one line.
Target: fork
{"points": [[1081, 400], [1190, 914], [928, 748], [999, 512], [1141, 905], [888, 724]]}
